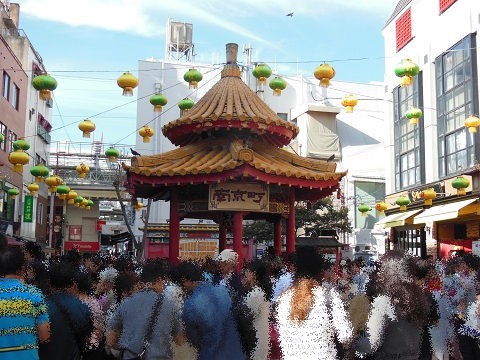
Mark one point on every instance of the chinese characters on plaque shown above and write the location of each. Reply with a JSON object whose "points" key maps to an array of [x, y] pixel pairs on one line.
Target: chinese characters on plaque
{"points": [[235, 196]]}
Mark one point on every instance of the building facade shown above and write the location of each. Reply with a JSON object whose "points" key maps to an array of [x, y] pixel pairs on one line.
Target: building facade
{"points": [[36, 122], [441, 37]]}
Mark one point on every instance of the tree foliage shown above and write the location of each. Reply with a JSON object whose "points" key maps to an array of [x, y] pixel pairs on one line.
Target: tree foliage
{"points": [[260, 231], [321, 215]]}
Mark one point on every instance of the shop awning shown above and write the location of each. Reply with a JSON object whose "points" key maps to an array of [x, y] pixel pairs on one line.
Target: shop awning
{"points": [[398, 219], [443, 212], [320, 241]]}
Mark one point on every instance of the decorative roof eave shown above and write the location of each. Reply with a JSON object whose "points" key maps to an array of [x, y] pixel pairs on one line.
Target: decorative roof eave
{"points": [[274, 132], [245, 171]]}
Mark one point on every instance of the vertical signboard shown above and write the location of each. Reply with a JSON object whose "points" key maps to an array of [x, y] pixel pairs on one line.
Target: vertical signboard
{"points": [[28, 209], [75, 233]]}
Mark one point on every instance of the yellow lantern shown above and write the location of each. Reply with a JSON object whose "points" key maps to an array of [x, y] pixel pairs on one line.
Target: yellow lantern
{"points": [[138, 206], [82, 170], [472, 122], [18, 158], [349, 102], [84, 203], [71, 196], [87, 126], [33, 188], [381, 207], [428, 195], [52, 182], [146, 132], [127, 81], [324, 73]]}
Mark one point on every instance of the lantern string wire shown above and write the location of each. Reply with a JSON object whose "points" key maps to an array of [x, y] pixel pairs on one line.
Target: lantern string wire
{"points": [[168, 109]]}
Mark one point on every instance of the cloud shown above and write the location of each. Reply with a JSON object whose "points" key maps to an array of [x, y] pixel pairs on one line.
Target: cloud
{"points": [[142, 17]]}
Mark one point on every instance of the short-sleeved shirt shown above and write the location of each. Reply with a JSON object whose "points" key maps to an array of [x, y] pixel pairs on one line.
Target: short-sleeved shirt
{"points": [[22, 310], [131, 319]]}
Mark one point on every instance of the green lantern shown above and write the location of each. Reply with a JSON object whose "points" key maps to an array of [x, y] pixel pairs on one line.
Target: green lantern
{"points": [[39, 171], [89, 204], [45, 84], [363, 208], [403, 202], [13, 193], [262, 72], [112, 154], [1, 137], [460, 183], [78, 200], [62, 191], [406, 70], [21, 145], [158, 100], [185, 105], [277, 85], [193, 77], [413, 115]]}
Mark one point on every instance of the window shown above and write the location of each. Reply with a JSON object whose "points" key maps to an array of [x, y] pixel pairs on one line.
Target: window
{"points": [[11, 138], [15, 96], [455, 102], [403, 29], [6, 85], [445, 4], [39, 160], [283, 116], [40, 214], [408, 143], [3, 131], [367, 193], [409, 241]]}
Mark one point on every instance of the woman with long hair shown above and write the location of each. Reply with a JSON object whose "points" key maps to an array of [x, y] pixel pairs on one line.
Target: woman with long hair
{"points": [[311, 318]]}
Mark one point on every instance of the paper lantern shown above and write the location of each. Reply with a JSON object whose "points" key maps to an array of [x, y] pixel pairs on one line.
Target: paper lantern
{"points": [[349, 102], [193, 77], [146, 132], [112, 154], [13, 193], [127, 81], [45, 84], [87, 126], [471, 123], [381, 207], [324, 73], [82, 170], [460, 183], [33, 188], [18, 158], [39, 171], [406, 70], [277, 84], [413, 115], [262, 72], [72, 195], [428, 195], [363, 208], [158, 100], [403, 202]]}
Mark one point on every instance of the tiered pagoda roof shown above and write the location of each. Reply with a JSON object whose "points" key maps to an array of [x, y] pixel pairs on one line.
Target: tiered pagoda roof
{"points": [[231, 135]]}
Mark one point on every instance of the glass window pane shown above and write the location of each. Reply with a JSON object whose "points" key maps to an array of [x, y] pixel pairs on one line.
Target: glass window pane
{"points": [[451, 164], [449, 81]]}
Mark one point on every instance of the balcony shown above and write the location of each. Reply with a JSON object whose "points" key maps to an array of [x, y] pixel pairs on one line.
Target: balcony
{"points": [[43, 134]]}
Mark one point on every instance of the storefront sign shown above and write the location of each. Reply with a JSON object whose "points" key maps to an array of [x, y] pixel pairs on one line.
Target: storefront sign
{"points": [[233, 196], [75, 232], [82, 245], [100, 224], [28, 209]]}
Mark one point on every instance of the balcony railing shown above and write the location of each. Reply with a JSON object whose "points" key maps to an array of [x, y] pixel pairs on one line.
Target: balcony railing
{"points": [[43, 134]]}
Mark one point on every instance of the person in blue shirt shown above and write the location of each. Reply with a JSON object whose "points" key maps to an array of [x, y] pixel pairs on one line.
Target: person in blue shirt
{"points": [[207, 315], [24, 318]]}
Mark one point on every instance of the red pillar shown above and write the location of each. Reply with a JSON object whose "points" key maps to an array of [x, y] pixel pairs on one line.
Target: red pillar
{"points": [[237, 235], [222, 236], [277, 236], [291, 222], [174, 226]]}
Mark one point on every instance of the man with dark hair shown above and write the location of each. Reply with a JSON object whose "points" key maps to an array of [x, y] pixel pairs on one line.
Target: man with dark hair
{"points": [[207, 314], [23, 312], [145, 322], [71, 320]]}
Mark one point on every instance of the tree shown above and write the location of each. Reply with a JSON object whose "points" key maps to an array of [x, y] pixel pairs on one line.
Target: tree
{"points": [[260, 231], [321, 215]]}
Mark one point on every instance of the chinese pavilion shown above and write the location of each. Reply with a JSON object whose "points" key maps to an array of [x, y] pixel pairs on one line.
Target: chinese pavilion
{"points": [[230, 165]]}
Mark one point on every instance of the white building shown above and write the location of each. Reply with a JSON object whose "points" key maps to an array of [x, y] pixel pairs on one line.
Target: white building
{"points": [[441, 37], [354, 139]]}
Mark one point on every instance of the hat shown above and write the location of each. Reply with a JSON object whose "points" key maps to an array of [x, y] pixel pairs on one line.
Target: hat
{"points": [[227, 255]]}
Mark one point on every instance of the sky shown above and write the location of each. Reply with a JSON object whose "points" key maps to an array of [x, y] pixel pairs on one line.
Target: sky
{"points": [[87, 44]]}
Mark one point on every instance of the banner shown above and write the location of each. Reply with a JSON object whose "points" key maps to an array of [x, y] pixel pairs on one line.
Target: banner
{"points": [[28, 209], [238, 196]]}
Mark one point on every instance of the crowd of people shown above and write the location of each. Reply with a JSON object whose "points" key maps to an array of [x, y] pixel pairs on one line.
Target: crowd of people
{"points": [[297, 307]]}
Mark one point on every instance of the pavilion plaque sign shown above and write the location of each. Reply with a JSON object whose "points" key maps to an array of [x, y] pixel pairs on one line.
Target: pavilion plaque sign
{"points": [[238, 196]]}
